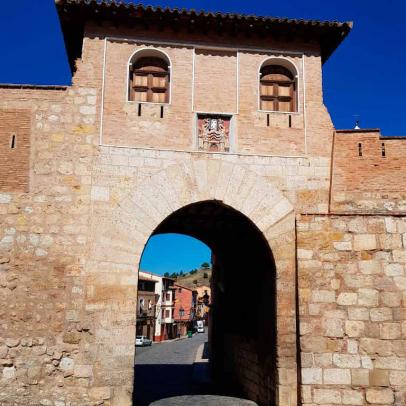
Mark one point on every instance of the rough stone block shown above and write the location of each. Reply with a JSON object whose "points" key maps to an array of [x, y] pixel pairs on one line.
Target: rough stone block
{"points": [[360, 377], [370, 267], [100, 393], [323, 296], [391, 299], [397, 378], [9, 373], [380, 396], [381, 314], [354, 328], [347, 299], [333, 328], [394, 270], [364, 242], [358, 313], [335, 376], [312, 376], [327, 396], [83, 371], [352, 397], [346, 361], [368, 297], [390, 331]]}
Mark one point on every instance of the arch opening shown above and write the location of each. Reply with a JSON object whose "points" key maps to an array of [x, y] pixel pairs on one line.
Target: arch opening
{"points": [[278, 86], [242, 329], [149, 77]]}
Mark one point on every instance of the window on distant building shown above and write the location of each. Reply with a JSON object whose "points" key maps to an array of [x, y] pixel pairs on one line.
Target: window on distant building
{"points": [[149, 77], [167, 313], [278, 88], [168, 297], [142, 303]]}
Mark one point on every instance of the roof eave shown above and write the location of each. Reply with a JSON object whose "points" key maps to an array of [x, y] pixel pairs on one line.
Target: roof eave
{"points": [[73, 15]]}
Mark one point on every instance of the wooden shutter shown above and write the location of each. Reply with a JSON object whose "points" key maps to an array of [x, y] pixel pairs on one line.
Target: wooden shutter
{"points": [[150, 81], [277, 89]]}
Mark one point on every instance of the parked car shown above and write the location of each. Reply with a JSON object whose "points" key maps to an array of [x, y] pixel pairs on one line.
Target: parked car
{"points": [[142, 341], [200, 326]]}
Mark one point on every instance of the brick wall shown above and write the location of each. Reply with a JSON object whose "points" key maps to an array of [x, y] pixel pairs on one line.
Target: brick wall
{"points": [[209, 85], [352, 295], [15, 159], [370, 182]]}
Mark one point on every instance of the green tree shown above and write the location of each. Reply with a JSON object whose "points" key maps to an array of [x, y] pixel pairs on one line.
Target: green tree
{"points": [[205, 265], [166, 274], [205, 275]]}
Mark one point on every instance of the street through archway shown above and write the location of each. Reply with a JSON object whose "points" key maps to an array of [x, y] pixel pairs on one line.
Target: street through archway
{"points": [[242, 320]]}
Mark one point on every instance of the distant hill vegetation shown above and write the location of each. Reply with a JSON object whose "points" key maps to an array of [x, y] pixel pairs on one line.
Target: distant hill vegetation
{"points": [[193, 278]]}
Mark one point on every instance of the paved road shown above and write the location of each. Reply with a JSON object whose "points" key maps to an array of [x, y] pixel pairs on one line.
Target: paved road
{"points": [[165, 370]]}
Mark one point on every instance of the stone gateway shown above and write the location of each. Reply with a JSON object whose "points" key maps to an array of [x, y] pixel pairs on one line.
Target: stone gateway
{"points": [[210, 125]]}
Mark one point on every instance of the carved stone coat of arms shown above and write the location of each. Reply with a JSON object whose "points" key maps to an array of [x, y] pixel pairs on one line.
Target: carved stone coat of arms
{"points": [[214, 133]]}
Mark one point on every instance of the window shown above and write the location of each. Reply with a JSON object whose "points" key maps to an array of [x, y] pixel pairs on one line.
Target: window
{"points": [[149, 80], [142, 302], [168, 297], [277, 89]]}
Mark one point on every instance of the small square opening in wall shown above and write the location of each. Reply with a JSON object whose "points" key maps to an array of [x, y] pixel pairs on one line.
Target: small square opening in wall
{"points": [[213, 132]]}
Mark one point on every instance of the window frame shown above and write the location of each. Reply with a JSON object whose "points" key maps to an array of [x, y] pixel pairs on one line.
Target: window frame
{"points": [[149, 53], [290, 66]]}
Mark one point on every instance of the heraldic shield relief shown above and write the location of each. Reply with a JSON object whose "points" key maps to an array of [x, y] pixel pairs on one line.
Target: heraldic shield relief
{"points": [[214, 133]]}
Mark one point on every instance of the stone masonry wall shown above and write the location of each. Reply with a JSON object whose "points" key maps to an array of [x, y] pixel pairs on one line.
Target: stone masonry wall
{"points": [[352, 300], [69, 246], [44, 335]]}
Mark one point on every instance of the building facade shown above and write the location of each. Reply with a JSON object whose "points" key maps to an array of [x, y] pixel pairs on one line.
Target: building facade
{"points": [[184, 310], [211, 125], [149, 299], [168, 327], [203, 294]]}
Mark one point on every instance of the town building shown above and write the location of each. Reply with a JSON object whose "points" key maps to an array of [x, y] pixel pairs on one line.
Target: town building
{"points": [[146, 305], [184, 310], [168, 327], [211, 125], [203, 293]]}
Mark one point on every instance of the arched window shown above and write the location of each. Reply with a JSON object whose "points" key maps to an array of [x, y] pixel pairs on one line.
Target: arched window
{"points": [[149, 78], [277, 88]]}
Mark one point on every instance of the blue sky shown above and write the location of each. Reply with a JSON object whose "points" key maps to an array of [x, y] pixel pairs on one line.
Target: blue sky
{"points": [[174, 253], [364, 77]]}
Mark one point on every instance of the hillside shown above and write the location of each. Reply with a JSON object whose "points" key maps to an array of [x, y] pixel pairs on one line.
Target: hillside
{"points": [[189, 280]]}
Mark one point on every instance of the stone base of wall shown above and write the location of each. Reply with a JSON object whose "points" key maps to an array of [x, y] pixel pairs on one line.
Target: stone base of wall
{"points": [[352, 293]]}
